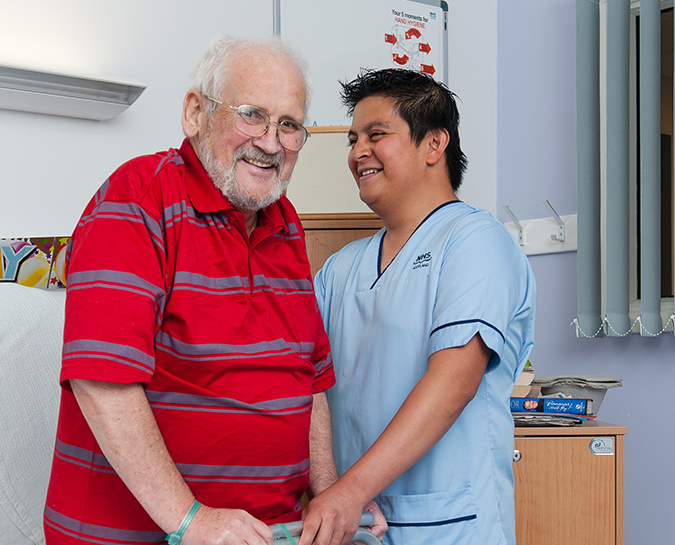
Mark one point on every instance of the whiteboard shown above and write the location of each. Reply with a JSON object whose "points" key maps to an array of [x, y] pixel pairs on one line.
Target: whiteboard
{"points": [[321, 181], [338, 39]]}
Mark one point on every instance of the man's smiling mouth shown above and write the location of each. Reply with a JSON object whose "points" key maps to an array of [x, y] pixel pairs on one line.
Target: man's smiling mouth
{"points": [[259, 163]]}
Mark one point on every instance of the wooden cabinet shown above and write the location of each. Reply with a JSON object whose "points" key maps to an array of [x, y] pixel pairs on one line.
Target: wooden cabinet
{"points": [[327, 233], [569, 484]]}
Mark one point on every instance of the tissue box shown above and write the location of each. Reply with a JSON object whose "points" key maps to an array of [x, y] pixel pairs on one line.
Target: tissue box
{"points": [[577, 387]]}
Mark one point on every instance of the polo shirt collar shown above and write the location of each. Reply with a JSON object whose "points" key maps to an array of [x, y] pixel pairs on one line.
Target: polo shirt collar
{"points": [[206, 198]]}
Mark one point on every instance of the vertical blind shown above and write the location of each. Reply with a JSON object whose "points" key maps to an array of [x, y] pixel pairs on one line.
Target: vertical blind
{"points": [[603, 115]]}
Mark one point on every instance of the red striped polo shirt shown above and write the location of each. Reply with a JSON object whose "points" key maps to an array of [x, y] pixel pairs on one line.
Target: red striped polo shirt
{"points": [[166, 288]]}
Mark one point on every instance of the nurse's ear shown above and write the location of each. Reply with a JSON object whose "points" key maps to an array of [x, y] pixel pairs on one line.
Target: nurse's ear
{"points": [[436, 141]]}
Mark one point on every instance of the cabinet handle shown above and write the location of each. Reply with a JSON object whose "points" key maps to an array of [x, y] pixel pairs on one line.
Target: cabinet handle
{"points": [[517, 455]]}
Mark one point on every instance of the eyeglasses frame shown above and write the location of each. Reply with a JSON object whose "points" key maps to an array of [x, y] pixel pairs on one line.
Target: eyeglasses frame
{"points": [[235, 109]]}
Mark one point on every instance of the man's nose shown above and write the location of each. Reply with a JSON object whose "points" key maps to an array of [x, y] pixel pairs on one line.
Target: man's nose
{"points": [[269, 142]]}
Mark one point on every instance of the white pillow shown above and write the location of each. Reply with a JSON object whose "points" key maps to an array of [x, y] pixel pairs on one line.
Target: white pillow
{"points": [[31, 340]]}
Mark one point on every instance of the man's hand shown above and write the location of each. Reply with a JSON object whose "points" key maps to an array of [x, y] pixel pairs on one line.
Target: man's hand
{"points": [[332, 518], [226, 527]]}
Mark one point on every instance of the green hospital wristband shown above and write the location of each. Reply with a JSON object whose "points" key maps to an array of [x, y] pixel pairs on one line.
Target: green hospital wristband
{"points": [[174, 538], [288, 535]]}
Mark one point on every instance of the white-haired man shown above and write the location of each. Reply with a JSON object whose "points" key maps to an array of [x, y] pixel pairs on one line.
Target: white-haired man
{"points": [[193, 349]]}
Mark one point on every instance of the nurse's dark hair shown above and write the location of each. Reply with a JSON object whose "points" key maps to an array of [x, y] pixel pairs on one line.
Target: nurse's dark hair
{"points": [[425, 104]]}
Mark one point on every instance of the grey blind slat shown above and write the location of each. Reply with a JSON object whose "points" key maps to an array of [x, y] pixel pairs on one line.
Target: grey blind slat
{"points": [[617, 206], [650, 166], [589, 312]]}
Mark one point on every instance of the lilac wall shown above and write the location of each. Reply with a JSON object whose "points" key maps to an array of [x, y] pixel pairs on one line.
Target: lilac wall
{"points": [[536, 161]]}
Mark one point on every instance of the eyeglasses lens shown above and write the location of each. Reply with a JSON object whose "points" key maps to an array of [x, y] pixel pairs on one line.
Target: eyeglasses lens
{"points": [[254, 122]]}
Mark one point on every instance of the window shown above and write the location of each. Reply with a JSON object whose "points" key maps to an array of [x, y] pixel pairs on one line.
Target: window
{"points": [[625, 167]]}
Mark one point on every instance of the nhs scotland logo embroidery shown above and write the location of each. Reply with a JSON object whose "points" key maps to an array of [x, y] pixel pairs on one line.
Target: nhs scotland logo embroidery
{"points": [[423, 260]]}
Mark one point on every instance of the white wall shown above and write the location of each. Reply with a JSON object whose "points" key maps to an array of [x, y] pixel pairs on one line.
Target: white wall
{"points": [[53, 165], [340, 38]]}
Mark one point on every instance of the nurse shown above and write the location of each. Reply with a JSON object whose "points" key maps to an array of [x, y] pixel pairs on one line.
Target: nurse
{"points": [[430, 321]]}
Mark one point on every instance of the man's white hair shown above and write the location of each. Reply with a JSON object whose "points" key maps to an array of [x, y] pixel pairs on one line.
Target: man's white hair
{"points": [[211, 73]]}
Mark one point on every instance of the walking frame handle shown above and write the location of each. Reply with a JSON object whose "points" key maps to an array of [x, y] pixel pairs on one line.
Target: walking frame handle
{"points": [[295, 529]]}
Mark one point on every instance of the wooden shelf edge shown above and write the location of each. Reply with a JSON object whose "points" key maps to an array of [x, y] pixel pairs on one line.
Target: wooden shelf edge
{"points": [[332, 129], [590, 427], [344, 220]]}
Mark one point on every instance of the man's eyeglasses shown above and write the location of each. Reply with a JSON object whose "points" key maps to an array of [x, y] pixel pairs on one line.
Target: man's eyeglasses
{"points": [[255, 122]]}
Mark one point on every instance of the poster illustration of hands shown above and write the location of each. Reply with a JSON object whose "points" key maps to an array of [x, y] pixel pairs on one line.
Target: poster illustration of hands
{"points": [[414, 36]]}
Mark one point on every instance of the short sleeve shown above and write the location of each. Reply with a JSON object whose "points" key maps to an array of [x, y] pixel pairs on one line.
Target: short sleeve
{"points": [[115, 287], [322, 359], [320, 290], [483, 284]]}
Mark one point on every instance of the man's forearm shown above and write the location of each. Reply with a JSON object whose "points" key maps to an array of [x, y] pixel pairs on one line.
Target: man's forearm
{"points": [[322, 471], [125, 428], [122, 421], [341, 521]]}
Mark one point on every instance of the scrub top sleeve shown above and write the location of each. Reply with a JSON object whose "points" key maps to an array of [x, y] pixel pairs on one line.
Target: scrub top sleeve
{"points": [[320, 288], [482, 283], [326, 278], [322, 358]]}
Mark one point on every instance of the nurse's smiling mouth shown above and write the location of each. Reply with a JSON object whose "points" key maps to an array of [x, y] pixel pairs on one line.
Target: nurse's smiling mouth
{"points": [[368, 172]]}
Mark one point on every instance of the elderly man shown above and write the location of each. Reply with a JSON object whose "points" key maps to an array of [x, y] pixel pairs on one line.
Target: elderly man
{"points": [[194, 351], [431, 321]]}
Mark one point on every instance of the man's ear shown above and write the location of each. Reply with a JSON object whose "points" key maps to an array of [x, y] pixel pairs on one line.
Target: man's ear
{"points": [[194, 113], [437, 141]]}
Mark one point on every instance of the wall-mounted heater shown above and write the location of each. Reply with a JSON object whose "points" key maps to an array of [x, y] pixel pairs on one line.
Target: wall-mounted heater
{"points": [[30, 90]]}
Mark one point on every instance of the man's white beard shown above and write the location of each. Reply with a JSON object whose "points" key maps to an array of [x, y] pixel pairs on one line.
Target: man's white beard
{"points": [[225, 179]]}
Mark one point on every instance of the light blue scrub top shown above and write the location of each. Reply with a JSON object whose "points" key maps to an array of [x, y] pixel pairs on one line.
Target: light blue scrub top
{"points": [[459, 274]]}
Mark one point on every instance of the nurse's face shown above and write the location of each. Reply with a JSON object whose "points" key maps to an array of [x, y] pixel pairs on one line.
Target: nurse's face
{"points": [[387, 165]]}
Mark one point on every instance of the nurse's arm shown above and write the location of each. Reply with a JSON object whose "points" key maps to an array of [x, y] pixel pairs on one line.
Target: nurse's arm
{"points": [[322, 471], [432, 407]]}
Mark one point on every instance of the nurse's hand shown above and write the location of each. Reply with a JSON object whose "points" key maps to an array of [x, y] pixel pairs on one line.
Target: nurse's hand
{"points": [[379, 526], [332, 518]]}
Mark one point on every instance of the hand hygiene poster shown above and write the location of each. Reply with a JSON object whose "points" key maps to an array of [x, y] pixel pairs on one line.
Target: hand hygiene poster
{"points": [[412, 37]]}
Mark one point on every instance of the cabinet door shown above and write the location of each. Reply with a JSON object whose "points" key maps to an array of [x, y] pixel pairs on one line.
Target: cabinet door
{"points": [[565, 494], [323, 243]]}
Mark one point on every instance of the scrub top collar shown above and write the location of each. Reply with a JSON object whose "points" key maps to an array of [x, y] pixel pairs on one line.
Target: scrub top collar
{"points": [[384, 232]]}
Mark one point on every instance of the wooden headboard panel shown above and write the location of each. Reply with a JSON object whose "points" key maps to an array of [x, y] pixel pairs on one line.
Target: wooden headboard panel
{"points": [[327, 233]]}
